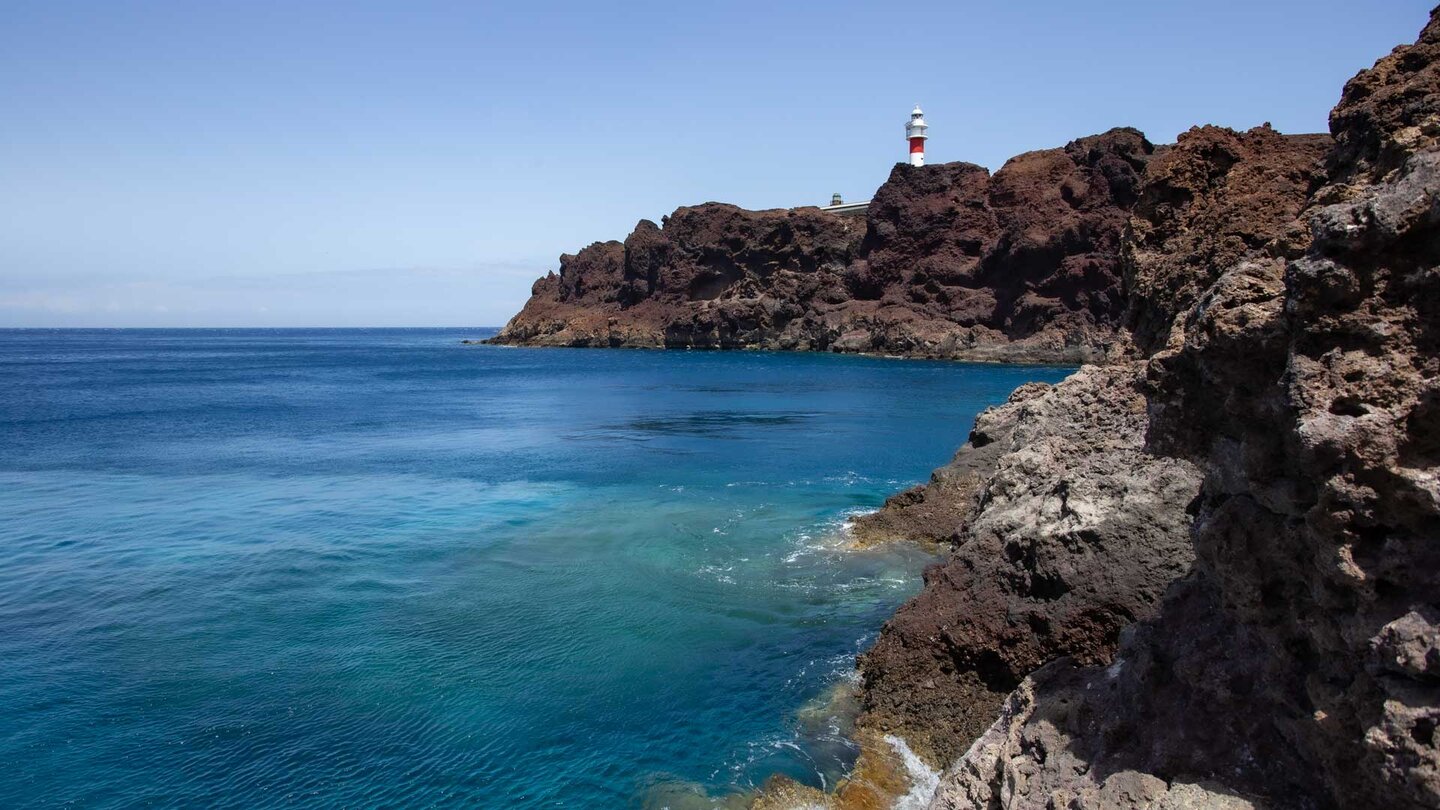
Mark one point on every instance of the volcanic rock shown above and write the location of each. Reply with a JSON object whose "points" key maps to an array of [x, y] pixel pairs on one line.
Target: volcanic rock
{"points": [[1109, 516], [950, 262], [1295, 666], [1215, 197], [1075, 533]]}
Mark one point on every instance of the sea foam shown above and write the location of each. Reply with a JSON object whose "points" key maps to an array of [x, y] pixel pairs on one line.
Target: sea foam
{"points": [[923, 779]]}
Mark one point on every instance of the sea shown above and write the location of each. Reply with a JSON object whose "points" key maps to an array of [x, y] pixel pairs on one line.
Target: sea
{"points": [[381, 568]]}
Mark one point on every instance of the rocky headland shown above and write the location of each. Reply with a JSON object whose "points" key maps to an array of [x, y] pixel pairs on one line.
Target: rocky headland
{"points": [[952, 262], [1203, 571]]}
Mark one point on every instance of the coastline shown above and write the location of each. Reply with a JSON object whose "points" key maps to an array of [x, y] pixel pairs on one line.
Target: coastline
{"points": [[1148, 518], [1197, 575], [958, 359], [1001, 353], [660, 533]]}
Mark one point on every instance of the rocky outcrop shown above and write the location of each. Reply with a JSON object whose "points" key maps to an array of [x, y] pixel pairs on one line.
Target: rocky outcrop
{"points": [[1074, 534], [1070, 529], [715, 276], [937, 512], [1217, 195], [1204, 574], [1214, 198], [1296, 664], [951, 262], [1179, 718]]}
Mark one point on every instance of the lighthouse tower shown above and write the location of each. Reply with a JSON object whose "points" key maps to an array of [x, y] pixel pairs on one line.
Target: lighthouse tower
{"points": [[915, 134]]}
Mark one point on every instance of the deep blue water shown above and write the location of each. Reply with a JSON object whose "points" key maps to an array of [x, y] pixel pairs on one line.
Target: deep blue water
{"points": [[324, 568]]}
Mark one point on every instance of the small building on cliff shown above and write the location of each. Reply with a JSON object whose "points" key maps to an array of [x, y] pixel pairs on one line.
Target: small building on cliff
{"points": [[844, 209], [915, 136]]}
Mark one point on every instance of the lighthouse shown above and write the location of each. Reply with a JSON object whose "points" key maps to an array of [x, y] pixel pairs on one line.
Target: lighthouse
{"points": [[915, 134]]}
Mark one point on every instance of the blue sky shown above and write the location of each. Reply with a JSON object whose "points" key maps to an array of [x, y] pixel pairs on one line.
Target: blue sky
{"points": [[420, 163]]}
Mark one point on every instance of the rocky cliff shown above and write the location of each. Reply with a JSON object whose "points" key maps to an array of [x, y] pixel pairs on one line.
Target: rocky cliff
{"points": [[951, 261], [1072, 528], [1210, 577], [1203, 574]]}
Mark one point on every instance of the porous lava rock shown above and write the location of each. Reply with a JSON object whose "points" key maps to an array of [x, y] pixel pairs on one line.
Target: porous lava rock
{"points": [[1212, 199]]}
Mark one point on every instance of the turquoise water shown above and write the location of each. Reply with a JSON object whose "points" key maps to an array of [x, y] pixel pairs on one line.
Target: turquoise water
{"points": [[364, 568]]}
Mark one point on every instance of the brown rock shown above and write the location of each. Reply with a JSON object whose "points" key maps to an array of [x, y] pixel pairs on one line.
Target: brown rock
{"points": [[1074, 534], [714, 276], [1296, 665], [1216, 197], [1026, 586], [1022, 266]]}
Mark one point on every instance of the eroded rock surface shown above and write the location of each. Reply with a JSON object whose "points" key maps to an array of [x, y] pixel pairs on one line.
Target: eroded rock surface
{"points": [[1074, 533], [937, 512], [1215, 197]]}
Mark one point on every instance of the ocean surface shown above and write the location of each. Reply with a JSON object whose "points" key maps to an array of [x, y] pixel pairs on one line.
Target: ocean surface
{"points": [[366, 568]]}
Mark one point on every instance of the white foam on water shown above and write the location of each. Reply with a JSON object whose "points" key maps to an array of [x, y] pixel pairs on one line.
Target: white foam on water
{"points": [[718, 573], [836, 668], [834, 536], [756, 750], [923, 779]]}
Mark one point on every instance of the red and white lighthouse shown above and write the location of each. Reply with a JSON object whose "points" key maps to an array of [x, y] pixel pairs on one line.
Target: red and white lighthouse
{"points": [[915, 133]]}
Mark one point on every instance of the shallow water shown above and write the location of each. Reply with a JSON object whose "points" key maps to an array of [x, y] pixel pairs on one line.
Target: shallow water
{"points": [[316, 568]]}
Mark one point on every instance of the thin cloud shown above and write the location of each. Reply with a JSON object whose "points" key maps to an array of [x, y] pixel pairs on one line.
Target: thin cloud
{"points": [[483, 293]]}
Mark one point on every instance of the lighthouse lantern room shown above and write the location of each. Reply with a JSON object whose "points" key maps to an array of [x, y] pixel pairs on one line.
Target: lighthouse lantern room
{"points": [[915, 134]]}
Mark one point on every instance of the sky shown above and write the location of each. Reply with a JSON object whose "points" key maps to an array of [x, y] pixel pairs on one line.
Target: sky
{"points": [[215, 163]]}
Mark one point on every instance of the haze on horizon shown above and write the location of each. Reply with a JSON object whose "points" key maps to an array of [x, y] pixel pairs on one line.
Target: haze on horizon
{"points": [[418, 164]]}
